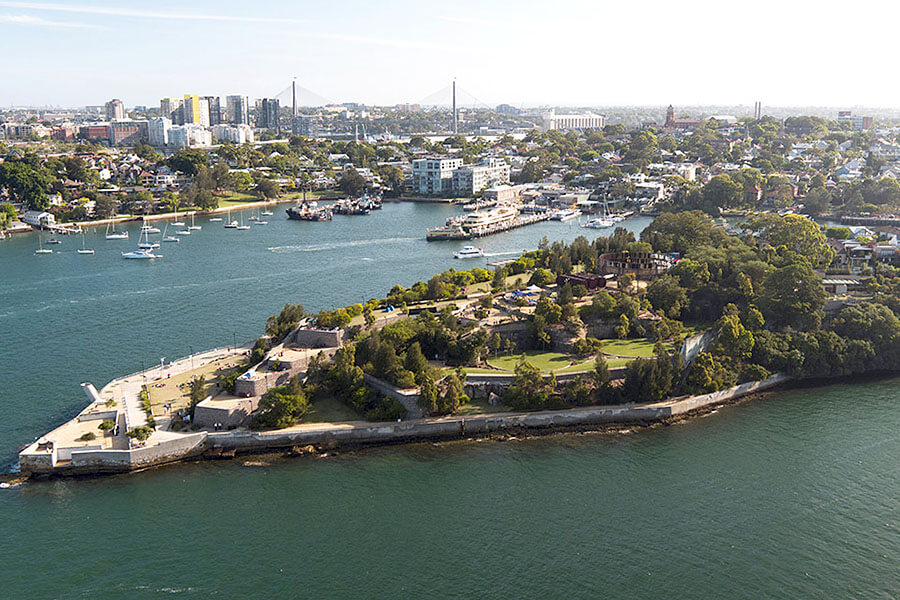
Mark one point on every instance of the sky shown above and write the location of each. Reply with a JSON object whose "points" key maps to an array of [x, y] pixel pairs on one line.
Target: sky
{"points": [[524, 52]]}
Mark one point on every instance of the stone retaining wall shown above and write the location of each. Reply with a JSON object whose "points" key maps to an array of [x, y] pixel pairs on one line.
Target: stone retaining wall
{"points": [[454, 427]]}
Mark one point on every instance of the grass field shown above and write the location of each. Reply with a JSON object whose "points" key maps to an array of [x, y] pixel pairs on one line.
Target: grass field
{"points": [[330, 410], [170, 393], [479, 407], [545, 361], [631, 348]]}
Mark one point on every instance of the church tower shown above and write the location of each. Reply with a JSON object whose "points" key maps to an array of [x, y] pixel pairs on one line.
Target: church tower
{"points": [[670, 116]]}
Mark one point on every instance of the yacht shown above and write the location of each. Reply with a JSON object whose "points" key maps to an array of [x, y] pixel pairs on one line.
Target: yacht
{"points": [[215, 219], [183, 232], [565, 215], [114, 235], [194, 227], [266, 213], [469, 252], [242, 227], [176, 222], [41, 249], [140, 254], [149, 228], [53, 240], [84, 250], [603, 222]]}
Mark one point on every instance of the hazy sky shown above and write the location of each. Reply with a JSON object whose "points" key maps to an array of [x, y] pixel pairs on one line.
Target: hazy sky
{"points": [[520, 52]]}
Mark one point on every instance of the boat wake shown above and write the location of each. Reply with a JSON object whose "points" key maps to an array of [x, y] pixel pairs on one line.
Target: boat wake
{"points": [[510, 253], [338, 245]]}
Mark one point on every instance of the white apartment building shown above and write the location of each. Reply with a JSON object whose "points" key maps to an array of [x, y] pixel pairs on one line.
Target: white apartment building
{"points": [[474, 178], [186, 136], [434, 175], [158, 131], [236, 134], [569, 122]]}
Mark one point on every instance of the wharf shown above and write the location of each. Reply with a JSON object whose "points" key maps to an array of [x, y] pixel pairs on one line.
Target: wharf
{"points": [[477, 232]]}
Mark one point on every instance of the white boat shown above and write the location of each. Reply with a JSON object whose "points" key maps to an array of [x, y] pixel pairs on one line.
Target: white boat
{"points": [[600, 223], [469, 252], [176, 222], [229, 223], [169, 238], [262, 222], [215, 219], [242, 227], [144, 242], [149, 228], [183, 232], [41, 249], [84, 250], [140, 254], [54, 241], [113, 235], [266, 213], [565, 215], [194, 227]]}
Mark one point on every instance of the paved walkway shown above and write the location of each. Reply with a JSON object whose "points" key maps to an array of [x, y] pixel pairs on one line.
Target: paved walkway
{"points": [[126, 391]]}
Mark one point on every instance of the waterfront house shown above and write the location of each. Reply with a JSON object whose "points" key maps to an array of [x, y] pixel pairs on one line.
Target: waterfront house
{"points": [[39, 219]]}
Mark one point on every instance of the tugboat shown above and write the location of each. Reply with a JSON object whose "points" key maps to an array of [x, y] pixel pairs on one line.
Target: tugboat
{"points": [[304, 213]]}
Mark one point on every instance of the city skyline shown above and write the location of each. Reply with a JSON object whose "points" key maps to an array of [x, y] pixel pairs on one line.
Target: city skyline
{"points": [[573, 54]]}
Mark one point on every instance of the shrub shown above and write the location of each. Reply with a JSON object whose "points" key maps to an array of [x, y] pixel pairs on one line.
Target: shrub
{"points": [[87, 437], [106, 425], [141, 433], [387, 409], [753, 372]]}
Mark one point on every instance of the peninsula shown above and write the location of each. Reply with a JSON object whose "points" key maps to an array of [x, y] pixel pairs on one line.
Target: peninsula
{"points": [[616, 330]]}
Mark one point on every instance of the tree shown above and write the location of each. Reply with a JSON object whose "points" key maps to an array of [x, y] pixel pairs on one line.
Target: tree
{"points": [[541, 277], [817, 201], [793, 296], [266, 189], [105, 205], [352, 183], [625, 281], [197, 393], [239, 181], [7, 214], [428, 392], [282, 406], [26, 181], [794, 234], [188, 161], [415, 361], [721, 192], [453, 395], [666, 295]]}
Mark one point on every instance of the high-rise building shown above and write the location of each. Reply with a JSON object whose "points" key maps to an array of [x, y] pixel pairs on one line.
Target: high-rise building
{"points": [[191, 109], [269, 114], [170, 108], [237, 110], [434, 175], [115, 110], [306, 125], [158, 131], [185, 136], [214, 109]]}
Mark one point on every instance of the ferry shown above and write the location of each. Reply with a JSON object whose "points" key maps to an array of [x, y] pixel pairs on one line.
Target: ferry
{"points": [[565, 215], [469, 252], [487, 218]]}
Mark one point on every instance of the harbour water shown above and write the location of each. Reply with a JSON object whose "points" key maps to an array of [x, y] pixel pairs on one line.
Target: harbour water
{"points": [[791, 496]]}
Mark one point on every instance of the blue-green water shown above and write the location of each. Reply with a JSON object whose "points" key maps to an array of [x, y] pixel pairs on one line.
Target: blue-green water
{"points": [[793, 496]]}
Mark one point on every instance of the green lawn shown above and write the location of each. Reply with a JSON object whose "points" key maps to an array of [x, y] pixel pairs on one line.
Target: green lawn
{"points": [[545, 361], [236, 198], [330, 410], [479, 407], [641, 347]]}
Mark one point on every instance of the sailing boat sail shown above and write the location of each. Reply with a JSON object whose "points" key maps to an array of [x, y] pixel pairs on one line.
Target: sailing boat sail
{"points": [[41, 249], [113, 235], [84, 250], [194, 227]]}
